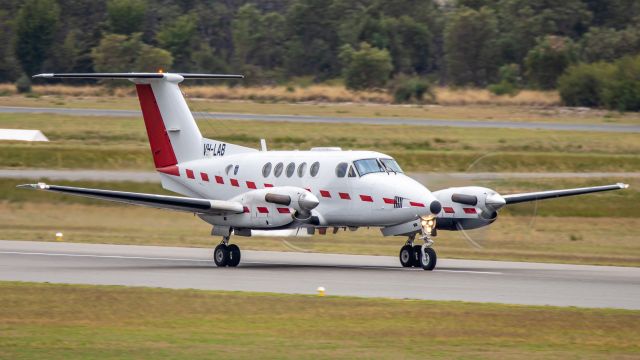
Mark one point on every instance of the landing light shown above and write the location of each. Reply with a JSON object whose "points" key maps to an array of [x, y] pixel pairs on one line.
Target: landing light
{"points": [[428, 223]]}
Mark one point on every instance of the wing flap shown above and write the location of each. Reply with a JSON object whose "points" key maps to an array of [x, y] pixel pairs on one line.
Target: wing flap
{"points": [[540, 195], [178, 203]]}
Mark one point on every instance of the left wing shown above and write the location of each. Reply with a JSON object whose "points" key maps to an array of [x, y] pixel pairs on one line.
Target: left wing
{"points": [[518, 198], [179, 203]]}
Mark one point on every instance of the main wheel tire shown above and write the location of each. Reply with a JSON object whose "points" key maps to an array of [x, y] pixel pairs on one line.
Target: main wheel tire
{"points": [[406, 256], [428, 262], [417, 255], [221, 255], [234, 255]]}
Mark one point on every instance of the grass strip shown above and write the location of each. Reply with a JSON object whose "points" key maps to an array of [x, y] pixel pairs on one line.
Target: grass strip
{"points": [[108, 322]]}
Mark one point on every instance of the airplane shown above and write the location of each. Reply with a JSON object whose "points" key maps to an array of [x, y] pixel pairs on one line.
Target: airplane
{"points": [[239, 190]]}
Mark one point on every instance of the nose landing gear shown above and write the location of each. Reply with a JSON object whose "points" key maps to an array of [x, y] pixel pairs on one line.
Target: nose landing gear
{"points": [[424, 255], [225, 254]]}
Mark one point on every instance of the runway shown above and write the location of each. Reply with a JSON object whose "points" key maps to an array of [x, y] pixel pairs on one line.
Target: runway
{"points": [[349, 120], [302, 273]]}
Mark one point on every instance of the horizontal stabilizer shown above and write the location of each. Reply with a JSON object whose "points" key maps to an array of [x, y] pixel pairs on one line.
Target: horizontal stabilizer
{"points": [[179, 203], [134, 75], [518, 198]]}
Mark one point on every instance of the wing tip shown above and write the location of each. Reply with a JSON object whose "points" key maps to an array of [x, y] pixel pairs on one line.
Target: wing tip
{"points": [[623, 185], [38, 186]]}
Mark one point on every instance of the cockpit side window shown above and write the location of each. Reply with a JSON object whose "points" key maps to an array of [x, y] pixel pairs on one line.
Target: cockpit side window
{"points": [[341, 169], [367, 166], [391, 165]]}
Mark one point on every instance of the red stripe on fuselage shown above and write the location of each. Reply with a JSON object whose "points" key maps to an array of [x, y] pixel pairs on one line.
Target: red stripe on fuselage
{"points": [[344, 196], [159, 141], [366, 198]]}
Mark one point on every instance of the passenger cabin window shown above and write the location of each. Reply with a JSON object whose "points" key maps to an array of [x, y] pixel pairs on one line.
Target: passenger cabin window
{"points": [[301, 169], [290, 169], [352, 171], [235, 170], [391, 165], [266, 169], [227, 170], [341, 169], [313, 170], [367, 166], [277, 171]]}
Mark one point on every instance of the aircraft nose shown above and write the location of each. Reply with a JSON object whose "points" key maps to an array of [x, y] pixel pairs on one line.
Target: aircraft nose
{"points": [[435, 207]]}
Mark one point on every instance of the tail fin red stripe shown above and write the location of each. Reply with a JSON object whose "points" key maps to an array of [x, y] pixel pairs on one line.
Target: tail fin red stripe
{"points": [[161, 148]]}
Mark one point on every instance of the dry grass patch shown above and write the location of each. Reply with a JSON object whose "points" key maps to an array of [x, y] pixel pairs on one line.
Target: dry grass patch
{"points": [[471, 96], [311, 93]]}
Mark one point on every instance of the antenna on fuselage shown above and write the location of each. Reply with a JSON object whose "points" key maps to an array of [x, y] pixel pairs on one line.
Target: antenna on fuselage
{"points": [[263, 144]]}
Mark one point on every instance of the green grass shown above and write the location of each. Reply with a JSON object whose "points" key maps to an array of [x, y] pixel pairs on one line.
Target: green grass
{"points": [[117, 143], [109, 322], [592, 229]]}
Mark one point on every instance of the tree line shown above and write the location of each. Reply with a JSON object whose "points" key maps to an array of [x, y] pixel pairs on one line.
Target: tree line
{"points": [[501, 44]]}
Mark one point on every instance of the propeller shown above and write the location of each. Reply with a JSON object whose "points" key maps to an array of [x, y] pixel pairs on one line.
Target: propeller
{"points": [[488, 200]]}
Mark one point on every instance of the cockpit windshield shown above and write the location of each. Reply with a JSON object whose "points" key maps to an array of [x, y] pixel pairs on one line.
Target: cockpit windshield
{"points": [[391, 165], [367, 166]]}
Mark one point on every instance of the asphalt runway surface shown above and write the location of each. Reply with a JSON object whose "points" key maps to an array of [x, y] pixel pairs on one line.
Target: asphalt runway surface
{"points": [[150, 176], [350, 120], [303, 273]]}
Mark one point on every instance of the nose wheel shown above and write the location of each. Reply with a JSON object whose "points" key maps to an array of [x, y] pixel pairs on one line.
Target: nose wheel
{"points": [[226, 255], [423, 256]]}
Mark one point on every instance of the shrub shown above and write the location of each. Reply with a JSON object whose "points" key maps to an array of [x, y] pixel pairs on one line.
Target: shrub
{"points": [[366, 68], [412, 89], [504, 88], [23, 85], [584, 84], [509, 81], [615, 86], [622, 93]]}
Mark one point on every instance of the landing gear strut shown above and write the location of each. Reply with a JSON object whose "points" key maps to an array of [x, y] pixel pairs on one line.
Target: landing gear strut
{"points": [[225, 254]]}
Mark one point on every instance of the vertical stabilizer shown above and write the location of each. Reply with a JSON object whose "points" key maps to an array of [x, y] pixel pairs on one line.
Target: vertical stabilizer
{"points": [[174, 136]]}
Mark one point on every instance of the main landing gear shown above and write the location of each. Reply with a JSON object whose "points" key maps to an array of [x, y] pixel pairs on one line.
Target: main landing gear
{"points": [[225, 254], [418, 256]]}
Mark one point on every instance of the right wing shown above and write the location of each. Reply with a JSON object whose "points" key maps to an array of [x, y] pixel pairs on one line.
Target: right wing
{"points": [[540, 195], [179, 203]]}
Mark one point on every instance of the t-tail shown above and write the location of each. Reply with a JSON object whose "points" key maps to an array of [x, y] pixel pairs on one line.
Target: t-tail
{"points": [[174, 136]]}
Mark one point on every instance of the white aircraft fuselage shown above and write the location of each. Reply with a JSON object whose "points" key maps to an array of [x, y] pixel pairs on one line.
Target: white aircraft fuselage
{"points": [[376, 199]]}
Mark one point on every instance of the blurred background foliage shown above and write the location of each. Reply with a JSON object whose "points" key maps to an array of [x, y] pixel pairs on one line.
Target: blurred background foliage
{"points": [[588, 49]]}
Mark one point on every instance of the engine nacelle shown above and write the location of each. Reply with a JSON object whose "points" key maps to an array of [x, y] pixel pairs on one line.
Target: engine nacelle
{"points": [[270, 208], [468, 207]]}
